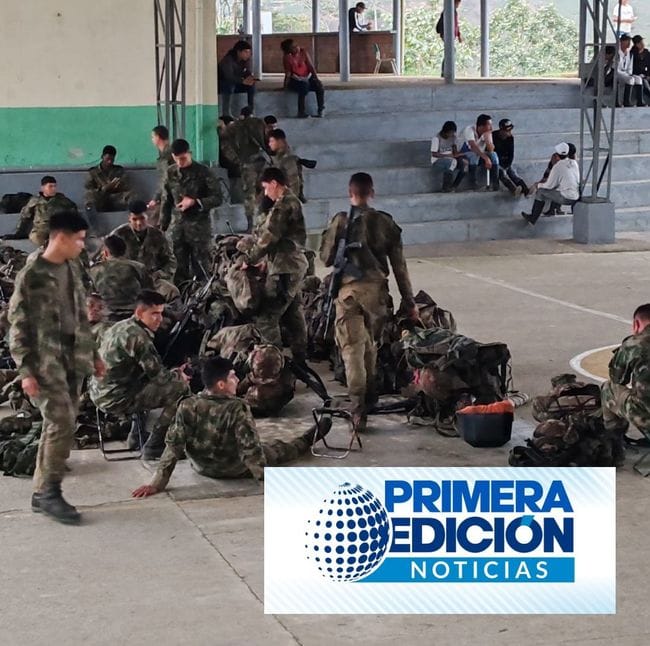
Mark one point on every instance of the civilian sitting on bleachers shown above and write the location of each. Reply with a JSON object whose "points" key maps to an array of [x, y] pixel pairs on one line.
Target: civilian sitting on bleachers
{"points": [[641, 63], [627, 80], [446, 158], [107, 186], [561, 187], [504, 146], [477, 145], [300, 76], [35, 215], [236, 77]]}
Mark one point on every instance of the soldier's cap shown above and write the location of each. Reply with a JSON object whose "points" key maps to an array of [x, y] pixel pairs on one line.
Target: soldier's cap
{"points": [[109, 150], [266, 362], [562, 149], [506, 124], [48, 179], [137, 207]]}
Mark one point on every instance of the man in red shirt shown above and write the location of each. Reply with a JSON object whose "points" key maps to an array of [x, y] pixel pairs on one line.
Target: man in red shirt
{"points": [[300, 76]]}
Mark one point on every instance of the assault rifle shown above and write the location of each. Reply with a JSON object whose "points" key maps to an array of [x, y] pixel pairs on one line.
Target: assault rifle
{"points": [[310, 378], [341, 266]]}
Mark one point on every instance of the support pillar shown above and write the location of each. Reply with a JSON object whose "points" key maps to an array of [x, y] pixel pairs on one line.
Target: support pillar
{"points": [[257, 38], [344, 42], [485, 39], [450, 37], [397, 33], [594, 222], [315, 16], [246, 18]]}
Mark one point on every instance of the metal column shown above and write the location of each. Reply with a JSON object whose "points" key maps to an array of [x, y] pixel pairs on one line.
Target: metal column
{"points": [[170, 39], [315, 16], [485, 39], [450, 37], [397, 33], [246, 17], [344, 41], [257, 38]]}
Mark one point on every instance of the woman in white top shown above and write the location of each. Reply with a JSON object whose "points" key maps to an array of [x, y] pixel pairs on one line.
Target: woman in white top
{"points": [[624, 26], [446, 158]]}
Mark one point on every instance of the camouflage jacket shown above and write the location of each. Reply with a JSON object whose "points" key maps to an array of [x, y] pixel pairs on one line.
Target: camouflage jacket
{"points": [[248, 137], [381, 242], [227, 149], [164, 161], [630, 366], [99, 179], [119, 281], [35, 216], [152, 249], [197, 181], [282, 237], [289, 163], [219, 436], [132, 362], [35, 320]]}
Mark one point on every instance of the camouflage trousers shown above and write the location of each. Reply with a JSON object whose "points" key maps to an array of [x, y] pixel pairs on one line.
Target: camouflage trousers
{"points": [[279, 451], [58, 402], [106, 202], [361, 312], [249, 175], [618, 413], [281, 307], [191, 239], [167, 289]]}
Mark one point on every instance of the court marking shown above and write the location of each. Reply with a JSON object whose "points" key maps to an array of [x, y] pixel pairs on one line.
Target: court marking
{"points": [[576, 363]]}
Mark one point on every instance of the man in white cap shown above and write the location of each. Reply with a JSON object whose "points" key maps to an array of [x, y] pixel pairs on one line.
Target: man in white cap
{"points": [[562, 185]]}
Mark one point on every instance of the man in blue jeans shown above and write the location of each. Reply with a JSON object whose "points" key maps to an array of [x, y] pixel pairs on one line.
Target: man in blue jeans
{"points": [[477, 146], [300, 76], [235, 76]]}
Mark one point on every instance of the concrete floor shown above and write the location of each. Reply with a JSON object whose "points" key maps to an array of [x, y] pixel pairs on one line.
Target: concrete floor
{"points": [[186, 567]]}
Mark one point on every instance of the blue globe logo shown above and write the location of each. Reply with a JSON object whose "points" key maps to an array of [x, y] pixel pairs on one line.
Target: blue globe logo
{"points": [[348, 538]]}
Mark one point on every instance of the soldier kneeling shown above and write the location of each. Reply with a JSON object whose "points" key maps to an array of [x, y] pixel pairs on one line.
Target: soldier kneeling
{"points": [[217, 431]]}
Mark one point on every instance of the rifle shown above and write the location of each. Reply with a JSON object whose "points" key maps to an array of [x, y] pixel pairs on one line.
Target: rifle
{"points": [[193, 304], [341, 266], [310, 378]]}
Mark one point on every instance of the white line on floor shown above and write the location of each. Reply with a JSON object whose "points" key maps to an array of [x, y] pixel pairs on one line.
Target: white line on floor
{"points": [[576, 363], [527, 292]]}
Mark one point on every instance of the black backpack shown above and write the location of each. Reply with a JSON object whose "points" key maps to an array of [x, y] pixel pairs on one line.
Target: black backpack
{"points": [[440, 25]]}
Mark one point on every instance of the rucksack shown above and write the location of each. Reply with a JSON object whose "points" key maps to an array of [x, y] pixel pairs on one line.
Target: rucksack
{"points": [[567, 397], [440, 25]]}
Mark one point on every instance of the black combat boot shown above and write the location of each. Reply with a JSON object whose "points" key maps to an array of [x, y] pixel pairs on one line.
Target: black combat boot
{"points": [[494, 179], [538, 207], [447, 181], [460, 175], [473, 184], [52, 503], [640, 102], [627, 96]]}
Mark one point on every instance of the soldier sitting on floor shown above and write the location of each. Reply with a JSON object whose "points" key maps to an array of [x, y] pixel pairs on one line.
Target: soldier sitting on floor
{"points": [[626, 396], [217, 431]]}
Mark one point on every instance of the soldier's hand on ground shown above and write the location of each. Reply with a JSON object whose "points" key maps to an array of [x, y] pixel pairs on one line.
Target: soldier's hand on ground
{"points": [[186, 203], [144, 491], [100, 369], [30, 386]]}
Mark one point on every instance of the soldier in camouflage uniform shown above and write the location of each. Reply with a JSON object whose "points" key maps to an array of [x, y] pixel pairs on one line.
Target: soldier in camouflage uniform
{"points": [[97, 317], [189, 191], [118, 280], [35, 216], [160, 139], [136, 380], [248, 138], [149, 245], [107, 185], [626, 396], [287, 162], [54, 351], [363, 299], [217, 431], [280, 243]]}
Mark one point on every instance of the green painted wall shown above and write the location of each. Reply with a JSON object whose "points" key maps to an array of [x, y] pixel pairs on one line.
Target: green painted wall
{"points": [[58, 137]]}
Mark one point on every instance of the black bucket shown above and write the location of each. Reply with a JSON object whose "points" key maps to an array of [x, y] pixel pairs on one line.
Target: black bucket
{"points": [[485, 429]]}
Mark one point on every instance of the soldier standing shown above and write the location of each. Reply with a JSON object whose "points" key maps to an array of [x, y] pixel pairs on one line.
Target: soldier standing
{"points": [[136, 379], [54, 351], [150, 246], [217, 431], [107, 186], [372, 239], [160, 139], [626, 396], [189, 191], [35, 215], [280, 242], [119, 280], [286, 161]]}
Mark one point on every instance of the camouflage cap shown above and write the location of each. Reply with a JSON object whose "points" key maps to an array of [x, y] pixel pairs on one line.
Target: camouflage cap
{"points": [[266, 362]]}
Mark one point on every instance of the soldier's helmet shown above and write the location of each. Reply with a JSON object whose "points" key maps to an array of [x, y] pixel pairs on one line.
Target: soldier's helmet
{"points": [[266, 362]]}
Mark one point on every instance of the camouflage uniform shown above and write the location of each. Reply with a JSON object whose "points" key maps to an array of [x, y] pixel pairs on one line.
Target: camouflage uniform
{"points": [[152, 249], [119, 281], [164, 160], [626, 396], [362, 303], [248, 138], [103, 196], [290, 164], [50, 340], [280, 241], [219, 436], [135, 379], [35, 217], [191, 231]]}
